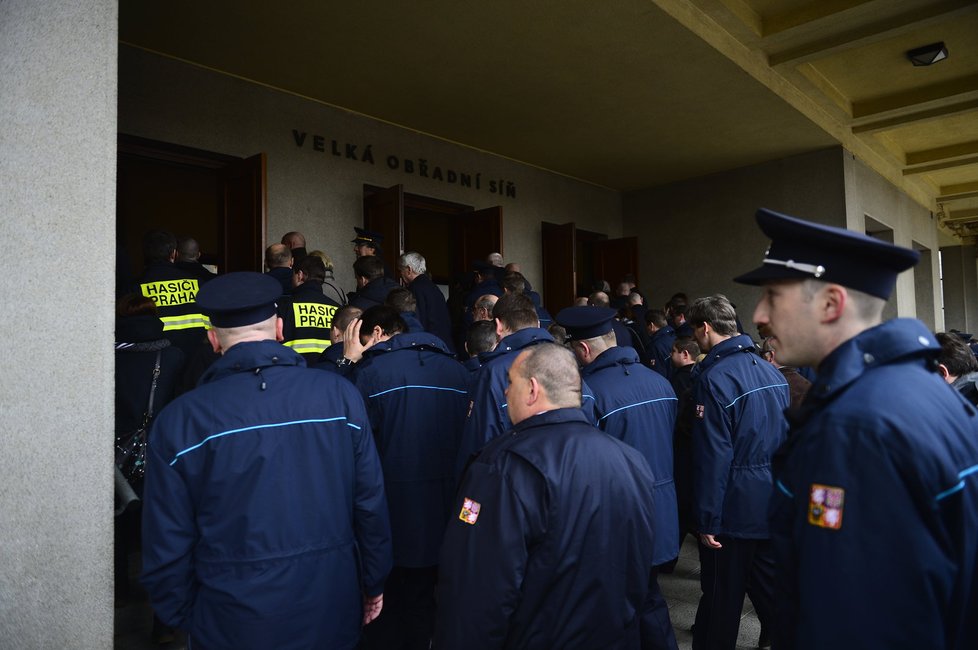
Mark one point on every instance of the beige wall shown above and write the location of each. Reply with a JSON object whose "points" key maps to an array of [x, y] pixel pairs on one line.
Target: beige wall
{"points": [[698, 234], [57, 174], [320, 194]]}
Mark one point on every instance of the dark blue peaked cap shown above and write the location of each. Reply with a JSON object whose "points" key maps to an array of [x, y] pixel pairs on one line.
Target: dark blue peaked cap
{"points": [[586, 322], [239, 299], [802, 249], [365, 236]]}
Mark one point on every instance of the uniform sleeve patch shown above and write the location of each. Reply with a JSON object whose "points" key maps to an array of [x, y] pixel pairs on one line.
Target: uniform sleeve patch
{"points": [[470, 511], [700, 408], [825, 504]]}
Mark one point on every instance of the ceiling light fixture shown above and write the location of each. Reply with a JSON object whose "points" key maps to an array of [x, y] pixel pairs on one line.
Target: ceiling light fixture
{"points": [[928, 54]]}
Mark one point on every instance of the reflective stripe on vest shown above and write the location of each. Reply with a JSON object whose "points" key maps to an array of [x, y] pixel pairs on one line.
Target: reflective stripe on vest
{"points": [[185, 322], [308, 346]]}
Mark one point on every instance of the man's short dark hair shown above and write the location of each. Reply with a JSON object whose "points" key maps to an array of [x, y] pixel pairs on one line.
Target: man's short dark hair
{"points": [[656, 317], [955, 355], [402, 300], [688, 345], [187, 248], [158, 246], [383, 316], [715, 310], [514, 282], [516, 312], [277, 255], [369, 266], [599, 299], [313, 267], [480, 337], [346, 315]]}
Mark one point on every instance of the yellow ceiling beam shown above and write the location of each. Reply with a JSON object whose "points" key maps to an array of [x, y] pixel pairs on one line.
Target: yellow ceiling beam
{"points": [[885, 124], [962, 215], [959, 188], [938, 166], [946, 91], [937, 154], [745, 14], [808, 14], [896, 25]]}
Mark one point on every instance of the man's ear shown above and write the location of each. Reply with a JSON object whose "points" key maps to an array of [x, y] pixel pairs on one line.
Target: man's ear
{"points": [[831, 302], [534, 393], [500, 330], [942, 370], [279, 330], [213, 340]]}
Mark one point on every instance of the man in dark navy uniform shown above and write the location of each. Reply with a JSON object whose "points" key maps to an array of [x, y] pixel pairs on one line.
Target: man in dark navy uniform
{"points": [[661, 338], [372, 285], [432, 309], [307, 314], [367, 242], [738, 425], [265, 523], [174, 291], [875, 516], [638, 407], [415, 393], [486, 282], [551, 537], [278, 260]]}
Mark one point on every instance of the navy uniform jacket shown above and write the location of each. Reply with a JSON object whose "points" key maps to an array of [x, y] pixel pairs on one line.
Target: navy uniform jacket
{"points": [[264, 519], [739, 400], [174, 291], [487, 417], [638, 407], [660, 351], [875, 515], [284, 276], [307, 320], [416, 401], [486, 287], [373, 293], [432, 309], [550, 542]]}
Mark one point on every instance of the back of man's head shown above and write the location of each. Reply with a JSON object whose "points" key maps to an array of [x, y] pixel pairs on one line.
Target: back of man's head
{"points": [[278, 256], [495, 259], [370, 267], [656, 317], [515, 312], [599, 299], [555, 369], [385, 317], [159, 246], [414, 261], [955, 355], [188, 250], [715, 310], [514, 282], [688, 345], [484, 304], [480, 337], [313, 268], [402, 300], [294, 239], [342, 319]]}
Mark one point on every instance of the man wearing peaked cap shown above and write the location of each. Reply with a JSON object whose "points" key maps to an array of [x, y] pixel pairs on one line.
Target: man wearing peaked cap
{"points": [[875, 515], [265, 522], [367, 242], [637, 406]]}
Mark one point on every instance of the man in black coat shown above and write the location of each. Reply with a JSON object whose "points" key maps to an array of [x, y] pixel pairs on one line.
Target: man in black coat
{"points": [[372, 285], [432, 309], [550, 539]]}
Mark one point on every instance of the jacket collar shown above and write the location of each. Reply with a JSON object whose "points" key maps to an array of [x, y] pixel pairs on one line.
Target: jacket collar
{"points": [[409, 341], [900, 339], [616, 356], [251, 356], [517, 341], [737, 344], [309, 287], [557, 416]]}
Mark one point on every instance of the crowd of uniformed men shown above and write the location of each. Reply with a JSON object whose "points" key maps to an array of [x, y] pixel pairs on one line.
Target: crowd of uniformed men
{"points": [[353, 470]]}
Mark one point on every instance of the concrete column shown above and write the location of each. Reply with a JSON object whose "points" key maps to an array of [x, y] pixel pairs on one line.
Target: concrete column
{"points": [[960, 282], [57, 174]]}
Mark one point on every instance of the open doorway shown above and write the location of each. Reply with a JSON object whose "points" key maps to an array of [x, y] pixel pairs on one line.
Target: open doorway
{"points": [[215, 198]]}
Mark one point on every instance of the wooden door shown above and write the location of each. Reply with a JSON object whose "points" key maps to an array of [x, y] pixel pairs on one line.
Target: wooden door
{"points": [[383, 212], [559, 265], [481, 234], [615, 258], [244, 214]]}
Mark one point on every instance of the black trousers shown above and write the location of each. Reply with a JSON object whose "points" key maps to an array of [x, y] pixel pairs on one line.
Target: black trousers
{"points": [[657, 633], [407, 620], [742, 566]]}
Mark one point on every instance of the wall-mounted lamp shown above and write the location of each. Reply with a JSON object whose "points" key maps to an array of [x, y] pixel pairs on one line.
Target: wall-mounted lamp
{"points": [[928, 54]]}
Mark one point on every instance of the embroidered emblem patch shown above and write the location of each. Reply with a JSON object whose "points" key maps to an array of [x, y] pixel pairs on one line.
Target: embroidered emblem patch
{"points": [[470, 511], [825, 505], [699, 410]]}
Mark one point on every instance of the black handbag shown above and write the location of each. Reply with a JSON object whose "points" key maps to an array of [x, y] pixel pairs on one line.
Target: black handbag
{"points": [[130, 448]]}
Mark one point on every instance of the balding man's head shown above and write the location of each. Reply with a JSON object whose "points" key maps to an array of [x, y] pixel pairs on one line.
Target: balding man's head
{"points": [[278, 256], [542, 378], [294, 239]]}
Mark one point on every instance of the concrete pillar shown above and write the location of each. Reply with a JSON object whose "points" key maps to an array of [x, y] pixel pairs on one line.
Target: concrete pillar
{"points": [[57, 174], [960, 281], [923, 277]]}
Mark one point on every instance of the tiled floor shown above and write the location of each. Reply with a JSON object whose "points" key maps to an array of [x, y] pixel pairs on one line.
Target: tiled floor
{"points": [[134, 622]]}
